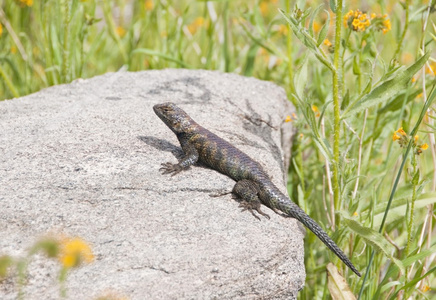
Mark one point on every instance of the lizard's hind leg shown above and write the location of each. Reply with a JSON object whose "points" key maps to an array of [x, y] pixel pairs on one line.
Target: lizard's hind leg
{"points": [[246, 192]]}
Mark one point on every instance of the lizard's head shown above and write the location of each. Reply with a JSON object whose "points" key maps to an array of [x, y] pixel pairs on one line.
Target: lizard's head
{"points": [[174, 117]]}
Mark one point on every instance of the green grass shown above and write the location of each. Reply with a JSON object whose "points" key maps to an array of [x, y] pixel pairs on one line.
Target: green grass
{"points": [[374, 197]]}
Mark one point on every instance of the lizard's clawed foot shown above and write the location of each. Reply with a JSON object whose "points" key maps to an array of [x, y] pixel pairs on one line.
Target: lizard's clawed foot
{"points": [[169, 168], [251, 207]]}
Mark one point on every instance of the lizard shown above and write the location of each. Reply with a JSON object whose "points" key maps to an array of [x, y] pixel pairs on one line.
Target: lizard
{"points": [[253, 186]]}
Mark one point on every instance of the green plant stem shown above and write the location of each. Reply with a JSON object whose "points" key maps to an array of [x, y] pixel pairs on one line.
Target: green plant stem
{"points": [[415, 182], [62, 280], [226, 37], [66, 44], [403, 35], [289, 55], [22, 270], [336, 106], [8, 82]]}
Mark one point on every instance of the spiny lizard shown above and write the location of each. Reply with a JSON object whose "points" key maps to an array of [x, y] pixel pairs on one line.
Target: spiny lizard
{"points": [[253, 186]]}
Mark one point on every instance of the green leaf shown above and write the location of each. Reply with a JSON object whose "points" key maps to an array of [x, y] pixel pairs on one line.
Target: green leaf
{"points": [[9, 83], [374, 238], [301, 201], [356, 66], [312, 18], [299, 31], [297, 170], [397, 102], [346, 99], [307, 40], [324, 30], [333, 5], [399, 206], [321, 144], [300, 78], [249, 62], [386, 90]]}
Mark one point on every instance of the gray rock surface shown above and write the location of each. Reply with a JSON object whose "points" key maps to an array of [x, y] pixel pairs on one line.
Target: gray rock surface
{"points": [[83, 159]]}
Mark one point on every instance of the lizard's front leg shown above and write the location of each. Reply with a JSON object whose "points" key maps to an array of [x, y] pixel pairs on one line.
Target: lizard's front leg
{"points": [[190, 158], [247, 191]]}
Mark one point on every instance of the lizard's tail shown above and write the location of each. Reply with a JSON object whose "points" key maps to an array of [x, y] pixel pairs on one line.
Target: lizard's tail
{"points": [[294, 211]]}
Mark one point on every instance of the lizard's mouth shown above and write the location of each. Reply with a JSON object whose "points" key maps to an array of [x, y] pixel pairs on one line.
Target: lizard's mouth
{"points": [[163, 111], [158, 110]]}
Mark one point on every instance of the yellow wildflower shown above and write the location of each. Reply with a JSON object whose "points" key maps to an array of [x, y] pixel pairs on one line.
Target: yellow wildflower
{"points": [[327, 43], [401, 136], [403, 140], [330, 46], [120, 31], [407, 58], [264, 8], [316, 26], [401, 131], [291, 118], [283, 29], [316, 110], [197, 23], [13, 49], [262, 51], [25, 2], [264, 54], [237, 21], [148, 4], [301, 136], [381, 22], [431, 68], [357, 20], [420, 148], [425, 288], [386, 26], [74, 252], [355, 214], [1, 29]]}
